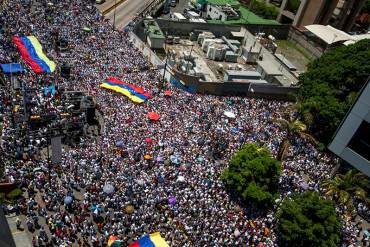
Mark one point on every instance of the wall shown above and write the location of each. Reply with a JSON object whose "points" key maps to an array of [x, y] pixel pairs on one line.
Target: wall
{"points": [[311, 12], [269, 91], [301, 40], [146, 51], [184, 28]]}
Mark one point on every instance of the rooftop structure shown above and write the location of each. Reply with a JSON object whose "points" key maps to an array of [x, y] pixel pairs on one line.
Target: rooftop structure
{"points": [[155, 36], [230, 12], [330, 35]]}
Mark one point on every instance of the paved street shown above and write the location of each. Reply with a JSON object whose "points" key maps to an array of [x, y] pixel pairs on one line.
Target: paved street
{"points": [[125, 12], [21, 237]]}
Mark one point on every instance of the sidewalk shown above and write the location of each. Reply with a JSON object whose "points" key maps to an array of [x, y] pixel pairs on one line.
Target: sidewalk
{"points": [[21, 238]]}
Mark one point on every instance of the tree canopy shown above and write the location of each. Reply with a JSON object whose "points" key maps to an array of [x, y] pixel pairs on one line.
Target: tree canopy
{"points": [[254, 174], [308, 220], [344, 187], [331, 85]]}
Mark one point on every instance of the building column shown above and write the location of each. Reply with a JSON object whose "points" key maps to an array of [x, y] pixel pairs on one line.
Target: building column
{"points": [[350, 19], [300, 13], [282, 8]]}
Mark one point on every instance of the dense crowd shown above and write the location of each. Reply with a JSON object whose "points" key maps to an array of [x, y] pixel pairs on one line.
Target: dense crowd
{"points": [[147, 162]]}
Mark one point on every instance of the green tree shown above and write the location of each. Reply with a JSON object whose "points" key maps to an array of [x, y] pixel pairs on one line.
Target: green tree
{"points": [[343, 187], [366, 8], [293, 128], [293, 5], [330, 85], [254, 174], [308, 220]]}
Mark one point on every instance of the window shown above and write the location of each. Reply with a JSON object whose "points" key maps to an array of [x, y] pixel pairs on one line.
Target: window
{"points": [[360, 142]]}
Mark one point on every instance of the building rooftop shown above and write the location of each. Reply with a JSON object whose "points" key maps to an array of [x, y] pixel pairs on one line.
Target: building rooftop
{"points": [[223, 2], [328, 34], [246, 17], [243, 73], [269, 67], [154, 31]]}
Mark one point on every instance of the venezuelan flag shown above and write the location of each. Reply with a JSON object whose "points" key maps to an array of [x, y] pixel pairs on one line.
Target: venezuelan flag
{"points": [[114, 241], [135, 94], [31, 51], [152, 240]]}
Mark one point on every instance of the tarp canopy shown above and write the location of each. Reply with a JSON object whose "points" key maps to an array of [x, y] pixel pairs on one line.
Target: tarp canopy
{"points": [[12, 68], [328, 34]]}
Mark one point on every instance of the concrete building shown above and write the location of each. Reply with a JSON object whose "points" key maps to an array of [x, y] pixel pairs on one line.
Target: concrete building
{"points": [[352, 139], [154, 35], [340, 14], [221, 12]]}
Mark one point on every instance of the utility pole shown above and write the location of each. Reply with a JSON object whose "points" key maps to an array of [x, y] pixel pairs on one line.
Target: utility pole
{"points": [[48, 154], [165, 64], [187, 64], [114, 15]]}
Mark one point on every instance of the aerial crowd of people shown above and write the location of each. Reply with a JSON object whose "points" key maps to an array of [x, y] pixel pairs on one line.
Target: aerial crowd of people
{"points": [[139, 176]]}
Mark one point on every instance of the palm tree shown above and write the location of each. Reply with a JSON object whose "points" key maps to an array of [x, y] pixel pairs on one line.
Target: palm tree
{"points": [[293, 127], [343, 188]]}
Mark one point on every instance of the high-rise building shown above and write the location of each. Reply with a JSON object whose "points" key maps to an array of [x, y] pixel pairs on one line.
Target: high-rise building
{"points": [[340, 14], [351, 142]]}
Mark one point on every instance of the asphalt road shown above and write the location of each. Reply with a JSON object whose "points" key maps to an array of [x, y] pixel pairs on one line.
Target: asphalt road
{"points": [[125, 12]]}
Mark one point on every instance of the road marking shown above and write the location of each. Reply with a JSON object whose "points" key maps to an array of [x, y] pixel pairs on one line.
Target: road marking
{"points": [[119, 2]]}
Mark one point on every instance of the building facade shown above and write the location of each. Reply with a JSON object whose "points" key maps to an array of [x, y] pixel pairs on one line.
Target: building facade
{"points": [[340, 14], [352, 139]]}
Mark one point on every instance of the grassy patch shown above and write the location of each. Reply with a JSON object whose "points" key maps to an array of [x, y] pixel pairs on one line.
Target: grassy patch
{"points": [[288, 44]]}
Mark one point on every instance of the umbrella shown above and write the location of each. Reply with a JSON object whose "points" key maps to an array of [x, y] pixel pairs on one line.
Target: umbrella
{"points": [[140, 182], [304, 185], [229, 114], [108, 189], [172, 200], [175, 159], [148, 140], [114, 241], [167, 93], [199, 99], [159, 159], [153, 116], [160, 179], [200, 159], [182, 168], [129, 209], [68, 200], [37, 169], [180, 179], [147, 157], [230, 102], [96, 209], [119, 144], [86, 29]]}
